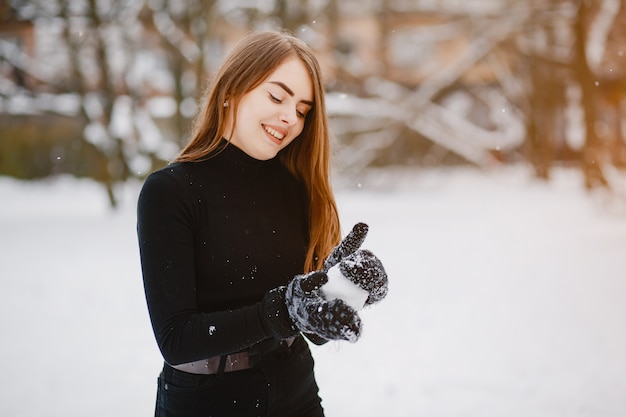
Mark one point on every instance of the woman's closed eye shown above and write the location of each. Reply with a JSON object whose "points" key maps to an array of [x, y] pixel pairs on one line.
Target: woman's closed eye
{"points": [[275, 99], [302, 110], [301, 114]]}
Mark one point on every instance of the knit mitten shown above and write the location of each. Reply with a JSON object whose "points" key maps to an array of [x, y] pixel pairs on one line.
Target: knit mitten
{"points": [[312, 305], [348, 245], [313, 314], [299, 307], [359, 279], [355, 275]]}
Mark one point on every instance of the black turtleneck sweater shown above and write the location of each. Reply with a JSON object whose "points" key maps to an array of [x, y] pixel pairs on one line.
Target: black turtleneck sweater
{"points": [[214, 237]]}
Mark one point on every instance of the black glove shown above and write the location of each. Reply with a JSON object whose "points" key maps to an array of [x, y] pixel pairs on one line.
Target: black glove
{"points": [[364, 269], [311, 313], [360, 266], [347, 246], [299, 307]]}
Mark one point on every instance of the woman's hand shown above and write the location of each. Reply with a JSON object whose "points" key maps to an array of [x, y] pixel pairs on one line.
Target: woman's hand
{"points": [[347, 246], [312, 313], [302, 306]]}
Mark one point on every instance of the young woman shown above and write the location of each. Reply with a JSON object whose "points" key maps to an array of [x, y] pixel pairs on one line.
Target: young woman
{"points": [[229, 235]]}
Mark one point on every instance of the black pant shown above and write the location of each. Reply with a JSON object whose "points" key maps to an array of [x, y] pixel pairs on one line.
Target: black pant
{"points": [[283, 386]]}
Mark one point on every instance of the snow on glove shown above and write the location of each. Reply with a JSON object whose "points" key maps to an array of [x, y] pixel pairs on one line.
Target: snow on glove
{"points": [[312, 313], [355, 275], [359, 279], [299, 307], [304, 306], [348, 245]]}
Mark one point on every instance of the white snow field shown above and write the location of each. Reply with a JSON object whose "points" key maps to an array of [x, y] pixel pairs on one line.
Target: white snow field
{"points": [[507, 299]]}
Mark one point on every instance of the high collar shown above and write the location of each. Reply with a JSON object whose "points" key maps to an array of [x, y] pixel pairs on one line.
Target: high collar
{"points": [[232, 154]]}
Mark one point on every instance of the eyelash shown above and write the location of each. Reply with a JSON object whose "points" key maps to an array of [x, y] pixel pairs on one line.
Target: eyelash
{"points": [[277, 100]]}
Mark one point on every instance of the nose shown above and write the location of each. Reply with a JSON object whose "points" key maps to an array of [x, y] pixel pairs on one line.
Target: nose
{"points": [[289, 116]]}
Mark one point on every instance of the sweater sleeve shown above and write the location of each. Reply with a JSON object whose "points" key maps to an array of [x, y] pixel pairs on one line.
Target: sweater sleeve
{"points": [[166, 246]]}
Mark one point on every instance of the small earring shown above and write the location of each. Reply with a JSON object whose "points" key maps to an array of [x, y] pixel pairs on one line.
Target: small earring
{"points": [[225, 104]]}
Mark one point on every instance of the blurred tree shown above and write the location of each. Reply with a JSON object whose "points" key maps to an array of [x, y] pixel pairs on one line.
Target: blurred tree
{"points": [[536, 54], [83, 77], [418, 91], [592, 153], [417, 82], [135, 70], [184, 32], [544, 71], [556, 50], [97, 82]]}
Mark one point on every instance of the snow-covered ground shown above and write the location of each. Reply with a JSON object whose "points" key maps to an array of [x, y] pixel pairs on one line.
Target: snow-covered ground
{"points": [[507, 298]]}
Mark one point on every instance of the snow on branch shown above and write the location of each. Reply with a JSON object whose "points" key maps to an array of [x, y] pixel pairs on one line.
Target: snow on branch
{"points": [[486, 39]]}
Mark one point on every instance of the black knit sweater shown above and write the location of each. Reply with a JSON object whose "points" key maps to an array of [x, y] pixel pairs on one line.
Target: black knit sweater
{"points": [[214, 237]]}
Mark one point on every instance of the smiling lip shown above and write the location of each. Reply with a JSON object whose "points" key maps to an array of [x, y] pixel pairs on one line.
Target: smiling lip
{"points": [[276, 135]]}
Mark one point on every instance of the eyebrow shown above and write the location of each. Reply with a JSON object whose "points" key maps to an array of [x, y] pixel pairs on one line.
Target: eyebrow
{"points": [[290, 91]]}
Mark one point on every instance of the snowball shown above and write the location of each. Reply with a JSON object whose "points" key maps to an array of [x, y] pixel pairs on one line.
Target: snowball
{"points": [[338, 286]]}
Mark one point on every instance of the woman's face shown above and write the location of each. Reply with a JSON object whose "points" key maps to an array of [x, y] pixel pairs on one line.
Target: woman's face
{"points": [[271, 116]]}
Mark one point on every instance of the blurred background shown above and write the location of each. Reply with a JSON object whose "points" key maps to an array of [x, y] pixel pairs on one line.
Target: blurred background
{"points": [[481, 140], [106, 89]]}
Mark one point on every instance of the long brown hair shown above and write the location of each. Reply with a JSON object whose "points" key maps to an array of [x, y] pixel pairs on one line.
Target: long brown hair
{"points": [[307, 158]]}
